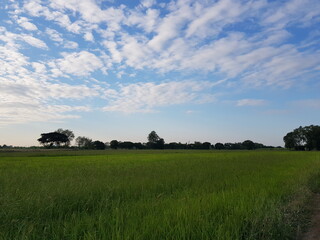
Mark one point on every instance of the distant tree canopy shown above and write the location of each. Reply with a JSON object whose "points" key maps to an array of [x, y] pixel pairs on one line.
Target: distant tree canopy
{"points": [[99, 145], [219, 146], [303, 138], [64, 137], [154, 141], [114, 144], [84, 142], [68, 133], [248, 144], [87, 143], [53, 139]]}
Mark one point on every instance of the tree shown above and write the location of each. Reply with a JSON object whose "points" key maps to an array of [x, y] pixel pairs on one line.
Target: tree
{"points": [[248, 144], [126, 145], [99, 145], [154, 141], [160, 144], [206, 145], [68, 133], [84, 142], [153, 137], [53, 139], [289, 140], [219, 146], [303, 138], [114, 144], [139, 145], [312, 137]]}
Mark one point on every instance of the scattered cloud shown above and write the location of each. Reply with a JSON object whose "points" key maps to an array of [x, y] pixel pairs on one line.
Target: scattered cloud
{"points": [[251, 102], [147, 97], [35, 42], [16, 112], [70, 45], [79, 63], [54, 35], [26, 24]]}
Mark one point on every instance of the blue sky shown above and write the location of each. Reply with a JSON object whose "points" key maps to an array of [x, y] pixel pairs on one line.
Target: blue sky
{"points": [[217, 71]]}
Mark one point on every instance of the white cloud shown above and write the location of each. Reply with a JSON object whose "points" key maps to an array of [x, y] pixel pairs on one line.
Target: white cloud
{"points": [[26, 24], [251, 102], [247, 43], [36, 9], [299, 12], [147, 97], [70, 45], [190, 35], [39, 67], [171, 25], [15, 113], [147, 21], [35, 42], [112, 47], [28, 94], [79, 63], [58, 37], [11, 39], [54, 35], [148, 3], [88, 37]]}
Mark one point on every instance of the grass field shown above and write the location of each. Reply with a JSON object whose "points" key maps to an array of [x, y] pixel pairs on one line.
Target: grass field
{"points": [[76, 195]]}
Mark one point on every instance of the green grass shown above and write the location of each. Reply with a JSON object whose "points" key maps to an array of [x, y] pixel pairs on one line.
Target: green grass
{"points": [[155, 194]]}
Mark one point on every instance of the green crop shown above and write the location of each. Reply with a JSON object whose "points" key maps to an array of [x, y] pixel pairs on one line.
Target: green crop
{"points": [[76, 195]]}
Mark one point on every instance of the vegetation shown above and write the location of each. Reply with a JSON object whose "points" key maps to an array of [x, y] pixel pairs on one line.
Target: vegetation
{"points": [[303, 138], [176, 194], [68, 133], [53, 139], [154, 142]]}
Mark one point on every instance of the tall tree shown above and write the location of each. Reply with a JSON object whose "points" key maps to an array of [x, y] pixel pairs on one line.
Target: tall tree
{"points": [[68, 133], [153, 137], [154, 141], [84, 142], [303, 138], [53, 139]]}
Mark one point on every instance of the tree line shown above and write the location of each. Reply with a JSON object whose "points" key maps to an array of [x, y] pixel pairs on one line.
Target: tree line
{"points": [[62, 138]]}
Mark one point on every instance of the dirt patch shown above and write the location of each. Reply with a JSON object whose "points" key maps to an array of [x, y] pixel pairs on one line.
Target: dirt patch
{"points": [[313, 232]]}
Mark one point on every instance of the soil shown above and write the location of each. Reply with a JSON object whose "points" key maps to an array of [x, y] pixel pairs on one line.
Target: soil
{"points": [[313, 232]]}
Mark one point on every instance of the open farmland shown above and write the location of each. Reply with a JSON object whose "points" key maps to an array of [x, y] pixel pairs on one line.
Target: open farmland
{"points": [[155, 194]]}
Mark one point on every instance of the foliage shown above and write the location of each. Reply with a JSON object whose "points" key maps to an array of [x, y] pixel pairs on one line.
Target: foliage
{"points": [[114, 144], [303, 138], [99, 145], [68, 133], [126, 145], [53, 139], [84, 142], [248, 144], [219, 146], [153, 137], [154, 141]]}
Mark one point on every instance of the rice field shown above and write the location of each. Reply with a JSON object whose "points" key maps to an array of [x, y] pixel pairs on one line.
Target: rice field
{"points": [[75, 195]]}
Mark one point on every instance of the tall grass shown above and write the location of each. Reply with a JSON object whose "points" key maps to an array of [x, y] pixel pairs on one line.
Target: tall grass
{"points": [[155, 194]]}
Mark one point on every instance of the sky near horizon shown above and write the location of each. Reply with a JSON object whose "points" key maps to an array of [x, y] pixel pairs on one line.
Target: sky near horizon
{"points": [[217, 71]]}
